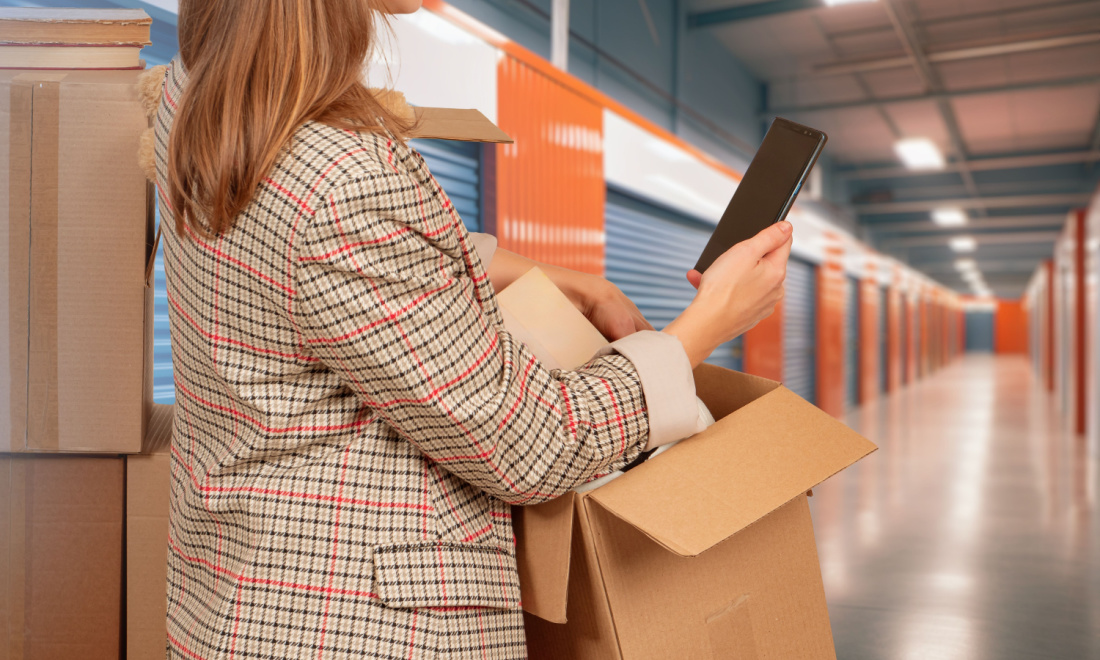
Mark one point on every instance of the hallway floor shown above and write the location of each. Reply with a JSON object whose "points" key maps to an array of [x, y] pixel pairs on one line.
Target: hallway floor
{"points": [[972, 533]]}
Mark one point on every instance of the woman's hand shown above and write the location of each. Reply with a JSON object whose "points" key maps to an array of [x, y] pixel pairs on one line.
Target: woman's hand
{"points": [[601, 302], [740, 289]]}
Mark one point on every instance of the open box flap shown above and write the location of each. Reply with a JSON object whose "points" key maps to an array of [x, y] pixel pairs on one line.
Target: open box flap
{"points": [[544, 538], [455, 124], [762, 453]]}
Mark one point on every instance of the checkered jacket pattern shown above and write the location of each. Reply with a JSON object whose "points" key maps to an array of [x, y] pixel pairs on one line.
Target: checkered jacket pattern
{"points": [[352, 421]]}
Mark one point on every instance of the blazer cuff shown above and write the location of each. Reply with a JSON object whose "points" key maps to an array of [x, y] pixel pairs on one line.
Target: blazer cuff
{"points": [[667, 384], [486, 246]]}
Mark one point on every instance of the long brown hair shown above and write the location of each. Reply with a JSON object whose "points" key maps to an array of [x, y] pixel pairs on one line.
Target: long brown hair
{"points": [[257, 70]]}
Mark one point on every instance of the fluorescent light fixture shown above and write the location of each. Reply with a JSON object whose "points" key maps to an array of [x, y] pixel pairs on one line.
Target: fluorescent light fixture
{"points": [[833, 3], [963, 244], [963, 265], [920, 154], [950, 217]]}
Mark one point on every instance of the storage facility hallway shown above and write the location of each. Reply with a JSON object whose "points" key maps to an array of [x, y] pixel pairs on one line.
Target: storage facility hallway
{"points": [[972, 533]]}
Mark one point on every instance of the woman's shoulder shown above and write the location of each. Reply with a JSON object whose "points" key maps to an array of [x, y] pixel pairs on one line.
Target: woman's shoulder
{"points": [[326, 156]]}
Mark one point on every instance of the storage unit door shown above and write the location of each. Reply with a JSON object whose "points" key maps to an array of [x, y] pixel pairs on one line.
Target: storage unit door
{"points": [[883, 337], [457, 167], [979, 332], [649, 251], [851, 346], [164, 384], [903, 340], [800, 329]]}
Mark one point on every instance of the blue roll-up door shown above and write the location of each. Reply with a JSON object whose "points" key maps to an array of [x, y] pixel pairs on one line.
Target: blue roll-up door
{"points": [[883, 338], [979, 331], [800, 329], [457, 167], [650, 249], [851, 348]]}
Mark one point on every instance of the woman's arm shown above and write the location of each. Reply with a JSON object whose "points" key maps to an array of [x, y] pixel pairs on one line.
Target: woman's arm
{"points": [[381, 306]]}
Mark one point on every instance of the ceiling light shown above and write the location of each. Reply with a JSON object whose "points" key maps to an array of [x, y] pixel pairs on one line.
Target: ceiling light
{"points": [[833, 3], [963, 265], [920, 154], [950, 217], [963, 244]]}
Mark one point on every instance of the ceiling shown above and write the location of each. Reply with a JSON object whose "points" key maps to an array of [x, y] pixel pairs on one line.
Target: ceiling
{"points": [[1008, 89]]}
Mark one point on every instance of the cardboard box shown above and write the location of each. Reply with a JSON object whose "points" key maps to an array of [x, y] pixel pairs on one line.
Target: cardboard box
{"points": [[76, 227], [705, 551], [60, 557], [148, 484]]}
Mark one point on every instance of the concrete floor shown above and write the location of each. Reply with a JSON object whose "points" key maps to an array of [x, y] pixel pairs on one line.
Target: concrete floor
{"points": [[972, 533]]}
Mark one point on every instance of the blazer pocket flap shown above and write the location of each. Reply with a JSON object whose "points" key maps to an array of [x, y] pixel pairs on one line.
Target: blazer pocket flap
{"points": [[446, 575]]}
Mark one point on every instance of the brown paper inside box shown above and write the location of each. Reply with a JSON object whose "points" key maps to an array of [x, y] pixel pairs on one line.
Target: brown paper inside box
{"points": [[705, 551]]}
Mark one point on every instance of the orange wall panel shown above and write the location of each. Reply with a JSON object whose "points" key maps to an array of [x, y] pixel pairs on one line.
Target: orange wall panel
{"points": [[763, 347], [550, 190], [831, 294], [1010, 327]]}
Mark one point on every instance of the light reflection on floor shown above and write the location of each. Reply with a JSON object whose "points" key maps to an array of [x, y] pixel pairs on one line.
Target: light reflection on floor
{"points": [[973, 533]]}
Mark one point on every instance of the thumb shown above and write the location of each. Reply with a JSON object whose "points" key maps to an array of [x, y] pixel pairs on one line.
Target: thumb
{"points": [[694, 277], [769, 239]]}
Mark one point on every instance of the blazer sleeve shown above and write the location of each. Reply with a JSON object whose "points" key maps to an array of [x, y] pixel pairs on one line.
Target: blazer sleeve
{"points": [[376, 301]]}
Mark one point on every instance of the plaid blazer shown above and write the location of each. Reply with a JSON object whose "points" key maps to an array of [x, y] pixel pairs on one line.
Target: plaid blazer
{"points": [[352, 421]]}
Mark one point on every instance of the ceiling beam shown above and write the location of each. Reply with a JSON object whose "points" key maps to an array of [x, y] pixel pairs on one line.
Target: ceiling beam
{"points": [[1073, 81], [1026, 266], [1008, 238], [745, 12], [1016, 201], [982, 164], [932, 83], [891, 61], [975, 224]]}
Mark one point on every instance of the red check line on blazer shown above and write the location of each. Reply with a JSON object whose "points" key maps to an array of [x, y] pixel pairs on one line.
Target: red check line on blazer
{"points": [[618, 416], [269, 583], [373, 324], [276, 492], [332, 560], [236, 262], [271, 429], [236, 622], [216, 337], [450, 503], [351, 246], [182, 647]]}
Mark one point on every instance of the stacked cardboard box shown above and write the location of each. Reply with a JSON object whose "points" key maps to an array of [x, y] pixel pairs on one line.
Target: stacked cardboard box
{"points": [[75, 377]]}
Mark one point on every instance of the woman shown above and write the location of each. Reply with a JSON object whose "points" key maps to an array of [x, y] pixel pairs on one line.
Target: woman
{"points": [[353, 422]]}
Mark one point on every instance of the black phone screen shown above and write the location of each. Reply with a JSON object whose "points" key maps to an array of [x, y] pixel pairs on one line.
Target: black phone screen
{"points": [[769, 188]]}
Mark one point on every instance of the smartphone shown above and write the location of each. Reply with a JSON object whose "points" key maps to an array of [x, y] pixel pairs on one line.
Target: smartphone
{"points": [[769, 187]]}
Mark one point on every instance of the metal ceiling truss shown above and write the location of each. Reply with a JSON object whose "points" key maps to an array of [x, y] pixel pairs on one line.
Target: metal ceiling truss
{"points": [[982, 164], [1068, 200], [1023, 222], [1072, 81], [1020, 45], [1006, 238], [745, 12]]}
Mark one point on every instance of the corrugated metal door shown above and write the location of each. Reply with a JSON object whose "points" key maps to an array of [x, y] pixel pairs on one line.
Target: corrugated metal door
{"points": [[979, 331], [457, 167], [883, 337], [800, 329], [851, 344], [903, 340], [649, 250]]}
